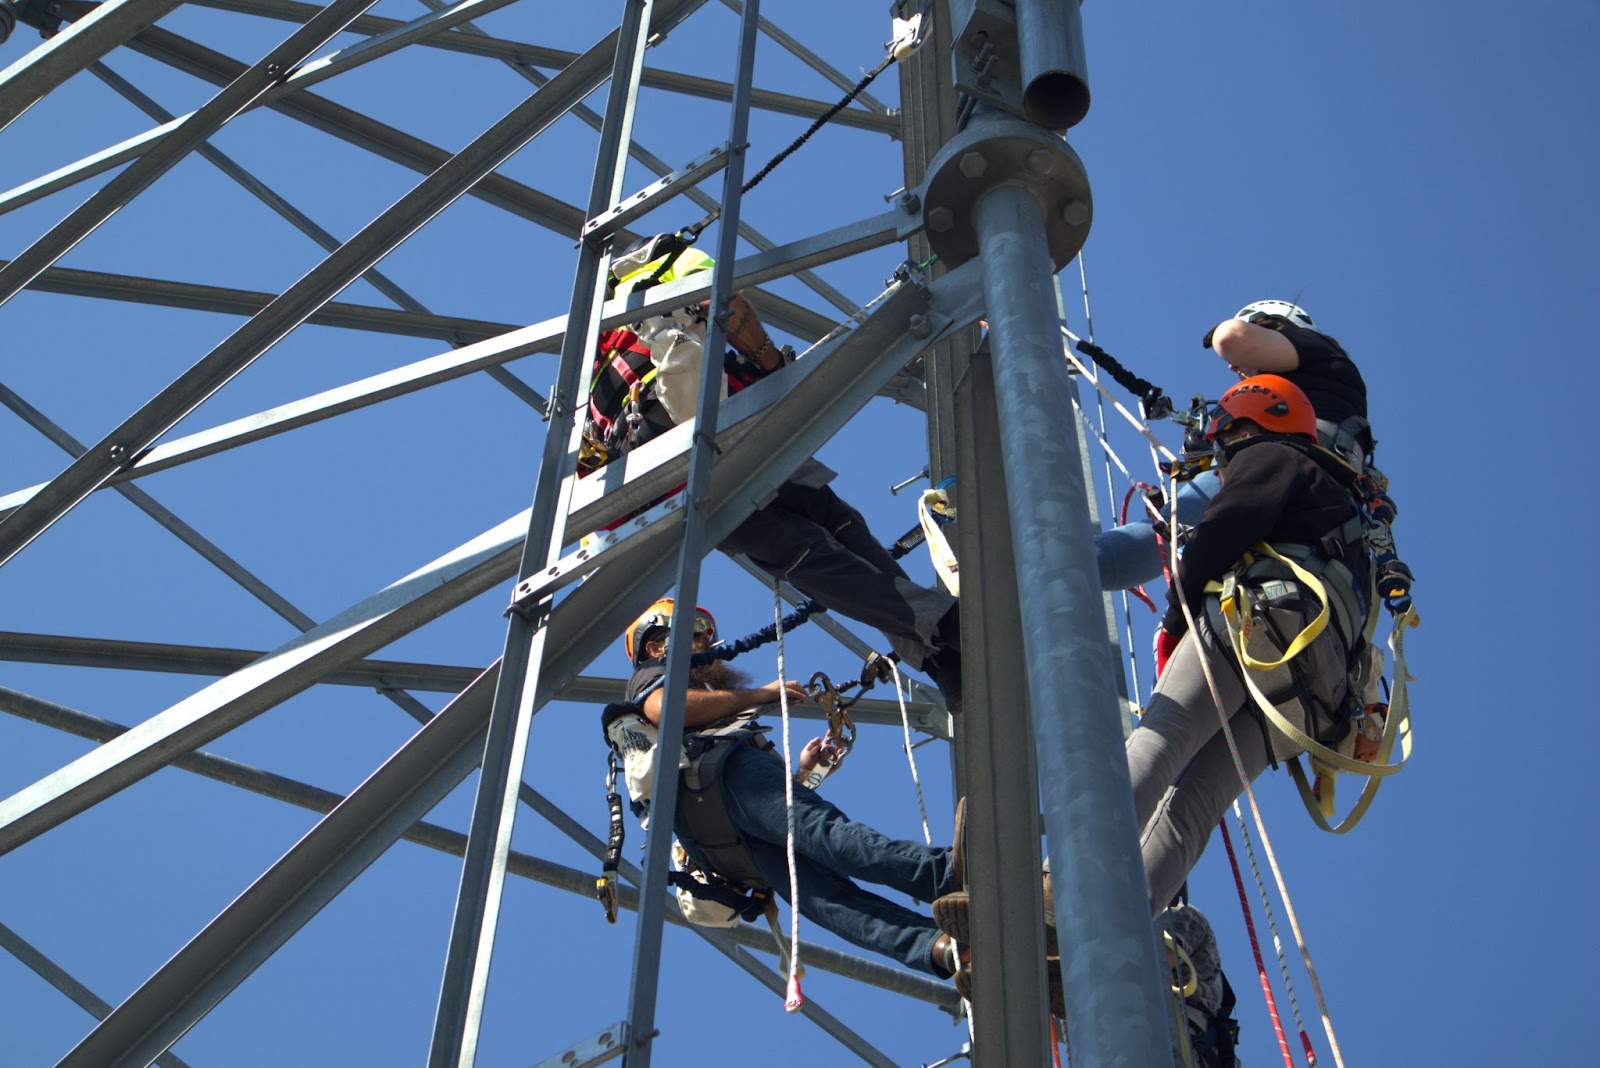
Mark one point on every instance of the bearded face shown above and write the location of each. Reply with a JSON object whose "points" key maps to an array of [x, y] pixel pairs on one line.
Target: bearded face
{"points": [[718, 675]]}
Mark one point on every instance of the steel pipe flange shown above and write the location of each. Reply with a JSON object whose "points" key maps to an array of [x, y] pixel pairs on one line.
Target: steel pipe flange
{"points": [[1005, 151]]}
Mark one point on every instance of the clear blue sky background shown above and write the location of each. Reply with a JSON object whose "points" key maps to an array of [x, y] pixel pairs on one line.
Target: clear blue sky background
{"points": [[1422, 175]]}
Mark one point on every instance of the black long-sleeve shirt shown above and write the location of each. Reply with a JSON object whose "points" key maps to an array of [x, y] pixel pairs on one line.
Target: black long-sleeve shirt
{"points": [[1271, 492]]}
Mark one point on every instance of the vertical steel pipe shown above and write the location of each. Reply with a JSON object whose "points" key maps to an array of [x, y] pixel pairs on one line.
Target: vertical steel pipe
{"points": [[1113, 997], [1055, 71]]}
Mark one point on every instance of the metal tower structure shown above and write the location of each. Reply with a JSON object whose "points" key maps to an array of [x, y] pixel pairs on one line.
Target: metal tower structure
{"points": [[993, 202]]}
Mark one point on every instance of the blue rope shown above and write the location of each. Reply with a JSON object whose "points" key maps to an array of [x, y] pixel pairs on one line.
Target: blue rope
{"points": [[755, 639]]}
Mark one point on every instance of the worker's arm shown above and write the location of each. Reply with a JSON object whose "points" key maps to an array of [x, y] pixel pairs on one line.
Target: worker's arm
{"points": [[709, 706], [749, 337], [1250, 349]]}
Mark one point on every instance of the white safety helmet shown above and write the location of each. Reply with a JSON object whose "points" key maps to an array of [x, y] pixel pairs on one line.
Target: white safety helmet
{"points": [[1281, 309]]}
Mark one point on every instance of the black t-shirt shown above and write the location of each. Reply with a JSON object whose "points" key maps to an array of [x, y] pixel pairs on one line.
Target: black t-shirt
{"points": [[647, 678], [1271, 492], [1327, 375]]}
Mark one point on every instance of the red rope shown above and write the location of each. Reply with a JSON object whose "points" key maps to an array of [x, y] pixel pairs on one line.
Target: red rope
{"points": [[1261, 967]]}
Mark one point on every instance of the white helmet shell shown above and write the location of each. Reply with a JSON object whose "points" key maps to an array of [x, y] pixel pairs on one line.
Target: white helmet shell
{"points": [[1280, 308]]}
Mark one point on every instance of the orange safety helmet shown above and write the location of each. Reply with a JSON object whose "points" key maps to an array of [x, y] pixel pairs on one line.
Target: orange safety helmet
{"points": [[659, 617], [1272, 402]]}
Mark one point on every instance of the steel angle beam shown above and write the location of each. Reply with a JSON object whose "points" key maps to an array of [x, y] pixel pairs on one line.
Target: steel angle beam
{"points": [[58, 977], [291, 892], [195, 297], [444, 840], [317, 112], [513, 344], [211, 660], [654, 194], [325, 405], [660, 168], [321, 284], [184, 137], [401, 608], [595, 1050], [542, 56], [392, 39], [16, 647], [815, 62], [107, 26], [300, 221], [996, 754]]}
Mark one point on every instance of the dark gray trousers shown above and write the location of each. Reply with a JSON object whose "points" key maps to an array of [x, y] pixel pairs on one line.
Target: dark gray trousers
{"points": [[811, 538]]}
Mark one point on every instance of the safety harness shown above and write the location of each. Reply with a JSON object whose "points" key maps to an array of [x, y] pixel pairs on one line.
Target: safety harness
{"points": [[1360, 738], [624, 410], [729, 886]]}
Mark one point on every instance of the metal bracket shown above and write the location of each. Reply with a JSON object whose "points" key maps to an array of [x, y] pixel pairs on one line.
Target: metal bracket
{"points": [[598, 1049], [652, 195], [588, 555]]}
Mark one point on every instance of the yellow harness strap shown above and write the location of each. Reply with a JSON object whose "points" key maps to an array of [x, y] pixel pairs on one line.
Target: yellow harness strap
{"points": [[1325, 762]]}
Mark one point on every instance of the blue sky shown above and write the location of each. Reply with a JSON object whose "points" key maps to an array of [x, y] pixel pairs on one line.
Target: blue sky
{"points": [[1420, 175]]}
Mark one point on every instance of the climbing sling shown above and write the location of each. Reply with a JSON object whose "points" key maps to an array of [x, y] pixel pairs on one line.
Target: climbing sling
{"points": [[1276, 683]]}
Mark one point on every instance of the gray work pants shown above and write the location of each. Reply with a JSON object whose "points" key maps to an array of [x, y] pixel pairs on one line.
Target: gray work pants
{"points": [[1183, 776], [811, 538]]}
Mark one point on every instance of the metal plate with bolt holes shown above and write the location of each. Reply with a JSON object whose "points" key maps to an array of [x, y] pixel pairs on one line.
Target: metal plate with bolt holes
{"points": [[598, 1049]]}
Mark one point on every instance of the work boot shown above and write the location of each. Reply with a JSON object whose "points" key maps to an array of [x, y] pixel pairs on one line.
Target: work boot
{"points": [[951, 913], [954, 963]]}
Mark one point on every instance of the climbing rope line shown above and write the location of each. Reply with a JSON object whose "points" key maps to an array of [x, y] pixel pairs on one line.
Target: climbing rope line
{"points": [[1136, 694], [898, 49], [793, 999], [911, 758], [1249, 793], [1255, 943], [1277, 939]]}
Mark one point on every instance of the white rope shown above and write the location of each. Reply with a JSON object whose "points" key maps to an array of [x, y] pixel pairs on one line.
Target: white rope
{"points": [[905, 725], [793, 999], [1249, 792], [1272, 925]]}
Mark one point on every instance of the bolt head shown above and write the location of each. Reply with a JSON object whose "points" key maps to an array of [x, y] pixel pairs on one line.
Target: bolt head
{"points": [[1074, 213], [1041, 162], [972, 164], [941, 219], [118, 453]]}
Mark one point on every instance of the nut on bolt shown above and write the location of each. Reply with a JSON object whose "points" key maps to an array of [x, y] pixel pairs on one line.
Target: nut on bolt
{"points": [[1074, 213], [919, 326], [973, 164], [910, 203], [941, 219]]}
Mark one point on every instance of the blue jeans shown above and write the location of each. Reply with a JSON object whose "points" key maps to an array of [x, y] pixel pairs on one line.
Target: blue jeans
{"points": [[1130, 555], [831, 849]]}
